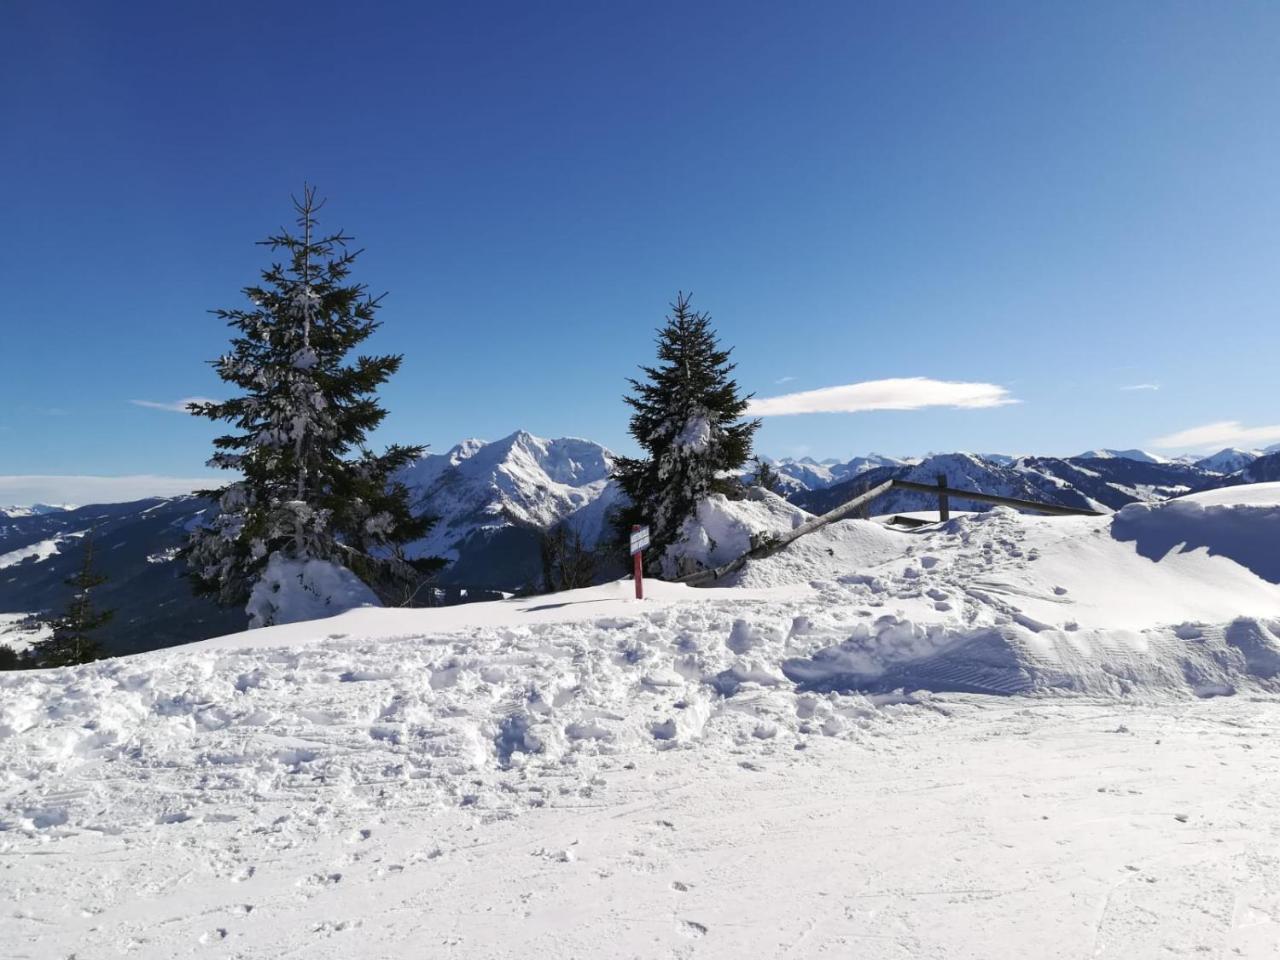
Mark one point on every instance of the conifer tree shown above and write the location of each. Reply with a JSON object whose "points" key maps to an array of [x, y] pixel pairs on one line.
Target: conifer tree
{"points": [[688, 419], [311, 490], [73, 639], [765, 475]]}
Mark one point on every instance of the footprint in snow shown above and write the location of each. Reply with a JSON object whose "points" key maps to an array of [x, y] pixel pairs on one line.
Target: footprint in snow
{"points": [[691, 928]]}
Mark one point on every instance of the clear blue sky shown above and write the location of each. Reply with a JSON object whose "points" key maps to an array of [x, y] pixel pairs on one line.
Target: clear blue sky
{"points": [[1059, 199]]}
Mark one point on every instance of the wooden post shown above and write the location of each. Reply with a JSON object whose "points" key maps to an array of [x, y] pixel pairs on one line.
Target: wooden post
{"points": [[638, 572], [944, 503]]}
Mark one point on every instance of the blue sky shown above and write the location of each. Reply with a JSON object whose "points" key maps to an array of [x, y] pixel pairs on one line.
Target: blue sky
{"points": [[1058, 200]]}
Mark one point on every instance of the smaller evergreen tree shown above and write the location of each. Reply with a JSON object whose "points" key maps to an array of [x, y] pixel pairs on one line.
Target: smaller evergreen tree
{"points": [[73, 640], [10, 659], [688, 419], [765, 476]]}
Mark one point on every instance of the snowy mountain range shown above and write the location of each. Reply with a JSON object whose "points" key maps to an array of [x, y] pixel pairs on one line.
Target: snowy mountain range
{"points": [[807, 473], [35, 510], [494, 499]]}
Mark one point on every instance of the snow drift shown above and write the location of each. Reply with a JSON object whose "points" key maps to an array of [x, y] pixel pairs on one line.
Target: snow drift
{"points": [[396, 708], [1242, 523]]}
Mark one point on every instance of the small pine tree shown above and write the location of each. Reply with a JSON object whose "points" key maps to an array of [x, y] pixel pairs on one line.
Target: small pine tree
{"points": [[688, 420], [73, 638], [302, 411], [765, 476], [10, 659]]}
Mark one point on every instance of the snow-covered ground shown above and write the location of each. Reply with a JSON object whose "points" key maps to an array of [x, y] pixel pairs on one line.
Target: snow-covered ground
{"points": [[961, 827], [801, 763], [18, 631]]}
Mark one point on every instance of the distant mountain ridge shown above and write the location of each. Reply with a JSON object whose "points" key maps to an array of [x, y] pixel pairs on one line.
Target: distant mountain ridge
{"points": [[34, 510], [1096, 483], [494, 499]]}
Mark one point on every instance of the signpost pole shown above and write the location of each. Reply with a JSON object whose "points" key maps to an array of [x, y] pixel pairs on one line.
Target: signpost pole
{"points": [[638, 572]]}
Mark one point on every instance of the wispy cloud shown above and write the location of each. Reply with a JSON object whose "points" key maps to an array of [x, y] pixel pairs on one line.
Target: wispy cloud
{"points": [[26, 490], [782, 380], [174, 406], [1224, 433], [905, 393], [1142, 386]]}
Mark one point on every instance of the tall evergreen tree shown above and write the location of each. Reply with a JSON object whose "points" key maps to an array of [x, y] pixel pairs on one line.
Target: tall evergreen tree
{"points": [[310, 488], [73, 639], [688, 419]]}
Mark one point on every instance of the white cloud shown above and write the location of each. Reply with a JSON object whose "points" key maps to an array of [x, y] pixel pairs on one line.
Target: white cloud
{"points": [[904, 393], [1142, 386], [1224, 433], [26, 490], [782, 380], [175, 406]]}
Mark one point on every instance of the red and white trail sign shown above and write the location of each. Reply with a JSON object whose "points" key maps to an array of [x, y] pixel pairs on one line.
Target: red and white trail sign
{"points": [[639, 541]]}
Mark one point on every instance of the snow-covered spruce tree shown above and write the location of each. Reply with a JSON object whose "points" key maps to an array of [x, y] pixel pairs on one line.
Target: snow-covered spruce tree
{"points": [[688, 419], [73, 639], [318, 522]]}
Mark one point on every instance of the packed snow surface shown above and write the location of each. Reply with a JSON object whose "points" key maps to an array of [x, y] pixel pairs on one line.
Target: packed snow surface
{"points": [[804, 761]]}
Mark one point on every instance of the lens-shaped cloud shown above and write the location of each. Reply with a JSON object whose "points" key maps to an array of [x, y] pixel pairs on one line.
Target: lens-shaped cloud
{"points": [[903, 393]]}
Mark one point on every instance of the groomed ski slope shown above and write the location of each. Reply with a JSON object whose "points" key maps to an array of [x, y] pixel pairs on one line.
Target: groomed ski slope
{"points": [[806, 761]]}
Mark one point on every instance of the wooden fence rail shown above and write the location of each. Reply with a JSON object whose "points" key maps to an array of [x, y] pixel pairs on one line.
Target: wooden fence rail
{"points": [[941, 490]]}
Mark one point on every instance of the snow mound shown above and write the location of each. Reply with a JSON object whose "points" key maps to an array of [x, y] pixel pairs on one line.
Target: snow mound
{"points": [[830, 552], [1242, 523], [722, 530], [290, 591]]}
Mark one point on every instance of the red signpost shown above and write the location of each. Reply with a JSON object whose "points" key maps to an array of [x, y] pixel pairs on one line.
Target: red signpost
{"points": [[639, 540]]}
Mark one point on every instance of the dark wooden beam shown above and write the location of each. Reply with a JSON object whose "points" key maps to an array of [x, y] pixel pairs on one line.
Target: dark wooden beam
{"points": [[952, 492]]}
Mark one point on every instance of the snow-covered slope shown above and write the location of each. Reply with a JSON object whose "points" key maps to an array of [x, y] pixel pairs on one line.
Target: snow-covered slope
{"points": [[1265, 469], [493, 498], [587, 774], [488, 496], [1141, 456], [34, 510], [809, 474], [136, 547], [1229, 460], [520, 480]]}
